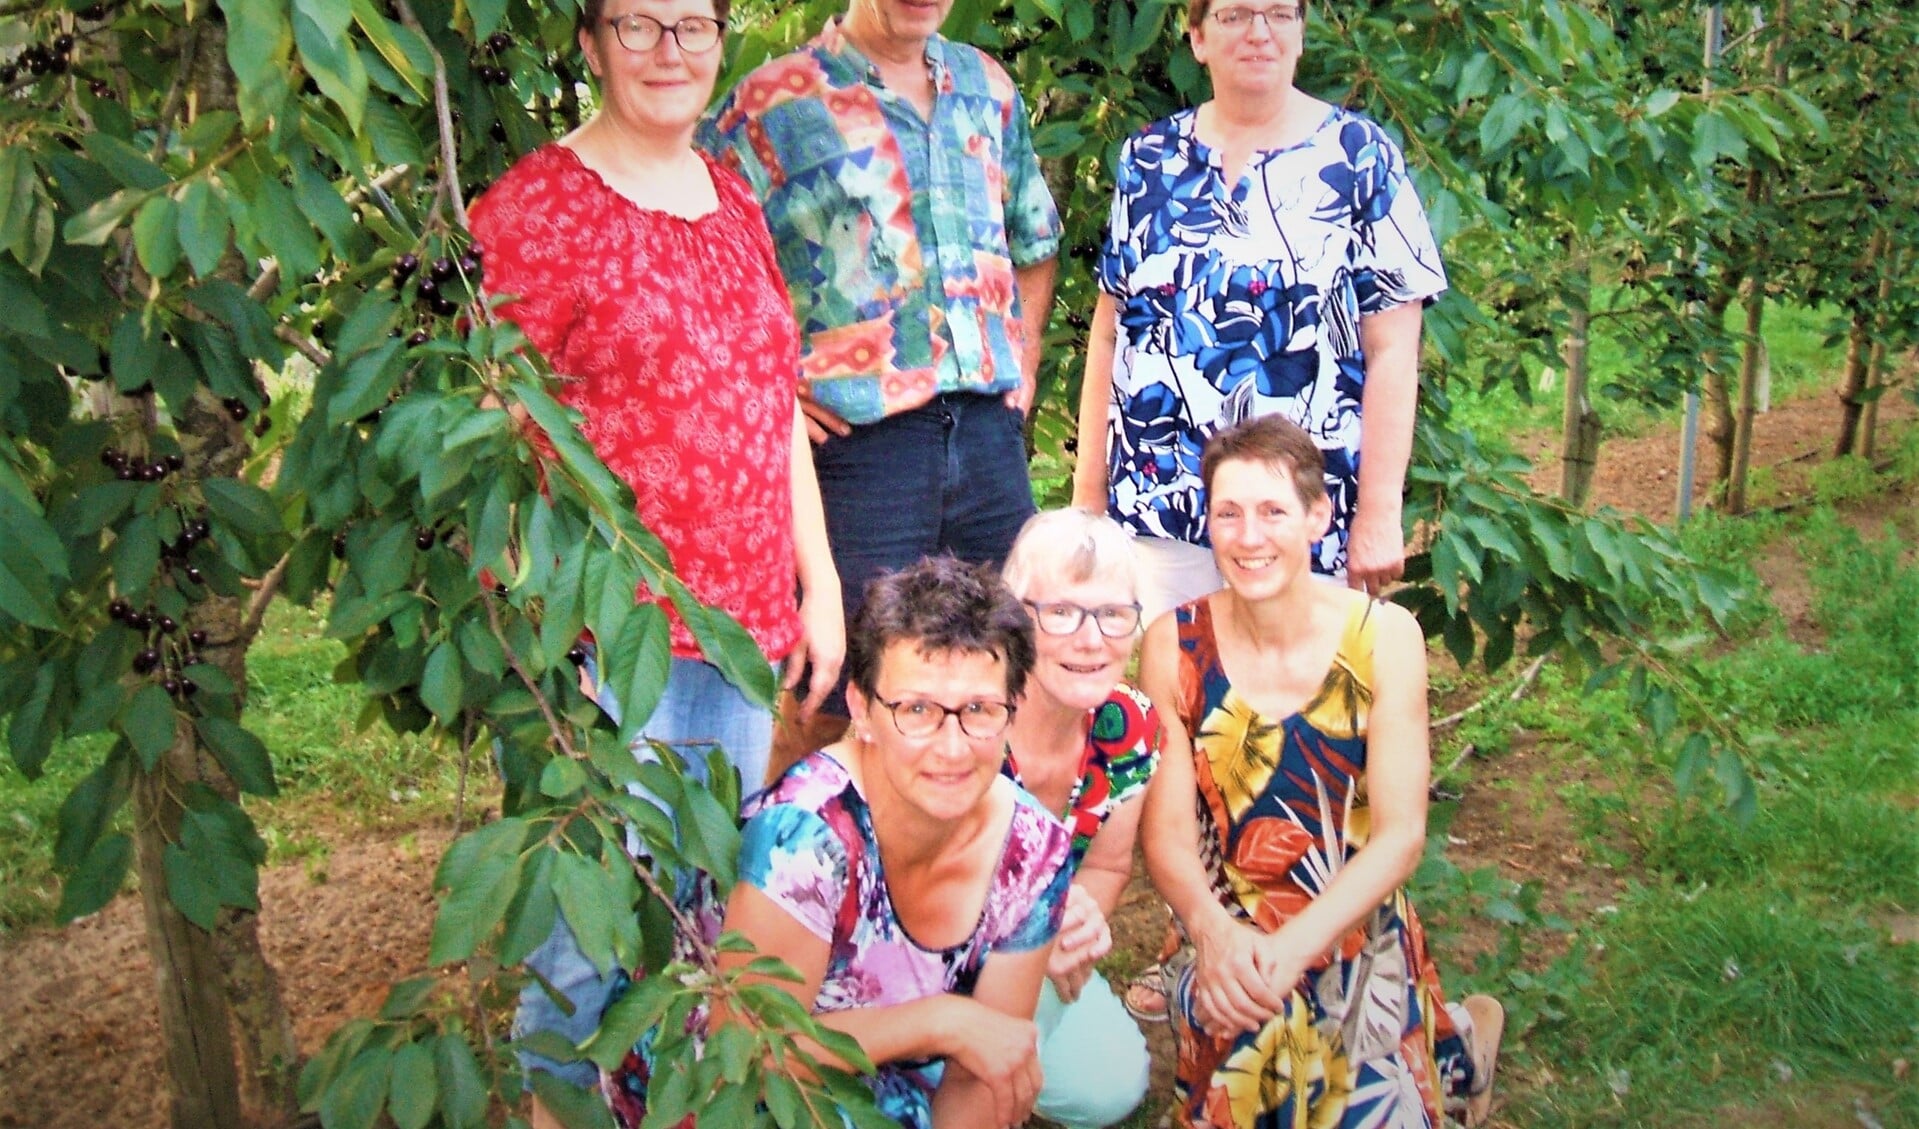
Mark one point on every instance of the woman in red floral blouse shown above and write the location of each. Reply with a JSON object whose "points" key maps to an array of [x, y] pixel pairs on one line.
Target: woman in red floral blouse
{"points": [[644, 273]]}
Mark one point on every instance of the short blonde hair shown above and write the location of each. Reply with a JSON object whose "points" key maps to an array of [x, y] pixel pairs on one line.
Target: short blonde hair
{"points": [[1072, 545]]}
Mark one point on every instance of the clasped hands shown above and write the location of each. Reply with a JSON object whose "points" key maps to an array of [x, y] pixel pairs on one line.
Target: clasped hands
{"points": [[1242, 976]]}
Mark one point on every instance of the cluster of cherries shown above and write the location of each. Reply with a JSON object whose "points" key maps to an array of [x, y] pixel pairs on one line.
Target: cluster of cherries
{"points": [[127, 469], [55, 57], [442, 274], [165, 653], [494, 45]]}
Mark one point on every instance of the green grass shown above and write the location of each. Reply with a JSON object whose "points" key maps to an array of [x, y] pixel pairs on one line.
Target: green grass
{"points": [[332, 773], [1795, 340]]}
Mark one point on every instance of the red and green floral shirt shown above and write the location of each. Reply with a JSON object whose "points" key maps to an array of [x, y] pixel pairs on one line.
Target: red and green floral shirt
{"points": [[1123, 742]]}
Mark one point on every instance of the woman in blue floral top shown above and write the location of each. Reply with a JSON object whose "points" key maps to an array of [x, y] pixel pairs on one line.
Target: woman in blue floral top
{"points": [[1085, 745], [1266, 254]]}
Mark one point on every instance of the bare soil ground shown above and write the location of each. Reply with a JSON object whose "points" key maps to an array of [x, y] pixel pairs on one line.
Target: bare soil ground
{"points": [[80, 1043]]}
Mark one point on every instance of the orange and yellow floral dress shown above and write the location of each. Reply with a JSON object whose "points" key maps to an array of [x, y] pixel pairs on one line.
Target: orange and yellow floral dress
{"points": [[1366, 1039]]}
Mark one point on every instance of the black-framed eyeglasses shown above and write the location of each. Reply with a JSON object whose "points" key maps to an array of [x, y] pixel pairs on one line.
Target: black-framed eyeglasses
{"points": [[695, 35], [1239, 18], [923, 717], [1057, 617]]}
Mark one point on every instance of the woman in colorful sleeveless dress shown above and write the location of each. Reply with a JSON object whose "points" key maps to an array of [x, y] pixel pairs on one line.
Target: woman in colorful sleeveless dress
{"points": [[1085, 745], [1288, 813]]}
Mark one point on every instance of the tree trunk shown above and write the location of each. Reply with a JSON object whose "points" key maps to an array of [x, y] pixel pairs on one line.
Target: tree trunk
{"points": [[194, 1032], [1876, 365], [1852, 401], [1748, 397], [1580, 431], [1717, 392]]}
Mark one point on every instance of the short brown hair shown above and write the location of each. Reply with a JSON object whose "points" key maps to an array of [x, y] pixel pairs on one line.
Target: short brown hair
{"points": [[1274, 442], [941, 605]]}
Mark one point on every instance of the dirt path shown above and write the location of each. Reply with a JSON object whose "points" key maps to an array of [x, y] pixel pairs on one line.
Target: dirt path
{"points": [[80, 1042]]}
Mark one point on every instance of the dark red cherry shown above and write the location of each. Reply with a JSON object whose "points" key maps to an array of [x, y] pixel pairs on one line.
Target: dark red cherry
{"points": [[423, 538], [197, 637]]}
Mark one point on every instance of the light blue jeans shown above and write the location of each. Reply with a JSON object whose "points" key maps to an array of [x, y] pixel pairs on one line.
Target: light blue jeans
{"points": [[1093, 1055], [699, 710]]}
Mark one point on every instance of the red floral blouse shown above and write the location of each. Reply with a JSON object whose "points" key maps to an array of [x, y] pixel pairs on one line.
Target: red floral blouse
{"points": [[675, 339]]}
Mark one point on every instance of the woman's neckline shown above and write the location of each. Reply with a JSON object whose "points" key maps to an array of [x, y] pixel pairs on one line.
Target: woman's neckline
{"points": [[886, 888], [1211, 153], [606, 186], [1233, 690]]}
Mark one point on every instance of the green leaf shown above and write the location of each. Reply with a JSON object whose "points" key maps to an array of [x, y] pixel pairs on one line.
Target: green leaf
{"points": [[561, 777], [487, 15], [577, 1107], [88, 810], [25, 591], [91, 884], [356, 1096], [1694, 757], [31, 733], [586, 898], [155, 237], [128, 164], [385, 39], [92, 227], [415, 1088], [1508, 114], [335, 66], [463, 1094], [441, 686], [728, 646], [243, 755], [203, 227], [277, 219], [259, 44], [637, 666], [480, 873], [365, 382], [1660, 101], [149, 724], [243, 506]]}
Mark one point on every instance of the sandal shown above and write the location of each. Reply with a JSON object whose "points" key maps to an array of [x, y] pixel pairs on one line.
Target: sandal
{"points": [[1489, 1026], [1146, 995]]}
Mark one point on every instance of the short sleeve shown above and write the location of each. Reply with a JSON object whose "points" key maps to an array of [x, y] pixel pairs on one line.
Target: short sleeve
{"points": [[791, 855], [519, 225], [1035, 874], [1128, 728], [1398, 260], [1119, 253], [1033, 225]]}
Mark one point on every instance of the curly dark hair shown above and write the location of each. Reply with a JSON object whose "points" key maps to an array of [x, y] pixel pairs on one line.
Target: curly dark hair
{"points": [[942, 605]]}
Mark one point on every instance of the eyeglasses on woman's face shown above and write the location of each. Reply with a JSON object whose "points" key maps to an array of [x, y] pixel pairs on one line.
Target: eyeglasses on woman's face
{"points": [[1238, 19], [695, 35], [919, 718], [1058, 617]]}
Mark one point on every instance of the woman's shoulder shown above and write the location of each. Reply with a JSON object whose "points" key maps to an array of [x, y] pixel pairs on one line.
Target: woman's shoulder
{"points": [[1167, 133], [814, 783], [552, 167]]}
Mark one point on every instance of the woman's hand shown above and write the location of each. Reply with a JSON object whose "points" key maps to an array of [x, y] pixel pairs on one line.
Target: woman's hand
{"points": [[820, 419], [821, 649], [1084, 937], [997, 1054], [1233, 989]]}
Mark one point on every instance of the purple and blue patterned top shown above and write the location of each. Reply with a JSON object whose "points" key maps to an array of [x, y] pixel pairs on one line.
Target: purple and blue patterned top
{"points": [[809, 846], [1242, 300]]}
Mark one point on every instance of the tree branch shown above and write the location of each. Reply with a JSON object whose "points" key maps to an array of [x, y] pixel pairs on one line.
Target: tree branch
{"points": [[263, 596], [1526, 680], [443, 110]]}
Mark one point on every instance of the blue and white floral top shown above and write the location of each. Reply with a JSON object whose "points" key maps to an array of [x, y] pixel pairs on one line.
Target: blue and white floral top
{"points": [[1244, 300]]}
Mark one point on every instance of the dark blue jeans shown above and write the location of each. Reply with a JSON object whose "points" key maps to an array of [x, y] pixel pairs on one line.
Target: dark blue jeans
{"points": [[949, 477]]}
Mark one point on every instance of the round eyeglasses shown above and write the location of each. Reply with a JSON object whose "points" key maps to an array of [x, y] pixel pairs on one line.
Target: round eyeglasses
{"points": [[1240, 19], [923, 717], [1115, 621], [695, 35]]}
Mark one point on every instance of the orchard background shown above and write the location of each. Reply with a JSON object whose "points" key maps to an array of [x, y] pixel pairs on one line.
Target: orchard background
{"points": [[252, 406]]}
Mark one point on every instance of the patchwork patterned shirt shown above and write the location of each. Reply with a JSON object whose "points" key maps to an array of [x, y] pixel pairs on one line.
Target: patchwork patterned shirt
{"points": [[898, 235]]}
